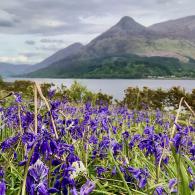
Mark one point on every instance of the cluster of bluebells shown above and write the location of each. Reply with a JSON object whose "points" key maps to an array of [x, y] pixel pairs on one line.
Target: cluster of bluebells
{"points": [[88, 137], [2, 182]]}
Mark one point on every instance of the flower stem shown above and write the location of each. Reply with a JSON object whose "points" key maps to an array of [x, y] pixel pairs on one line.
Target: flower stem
{"points": [[120, 173]]}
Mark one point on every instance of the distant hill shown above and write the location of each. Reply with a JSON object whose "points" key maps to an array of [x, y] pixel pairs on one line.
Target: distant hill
{"points": [[7, 69], [59, 55], [169, 41]]}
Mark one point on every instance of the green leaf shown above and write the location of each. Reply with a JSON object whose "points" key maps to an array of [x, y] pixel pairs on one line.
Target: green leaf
{"points": [[182, 175]]}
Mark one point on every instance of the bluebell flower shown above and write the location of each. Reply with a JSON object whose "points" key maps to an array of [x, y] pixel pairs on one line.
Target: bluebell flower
{"points": [[140, 175], [181, 139], [100, 171], [172, 183], [2, 188], [73, 191], [18, 97], [28, 138], [116, 147], [87, 188], [93, 139], [192, 151], [190, 170], [36, 154], [45, 148], [37, 178], [42, 189], [134, 139], [53, 190], [159, 191], [192, 184], [51, 93], [1, 172], [10, 142], [114, 171], [114, 129], [125, 135]]}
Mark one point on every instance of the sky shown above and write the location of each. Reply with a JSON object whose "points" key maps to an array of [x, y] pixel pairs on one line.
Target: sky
{"points": [[31, 30]]}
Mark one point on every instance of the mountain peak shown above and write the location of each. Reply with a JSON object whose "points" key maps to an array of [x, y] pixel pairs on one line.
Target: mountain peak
{"points": [[76, 44], [127, 26], [126, 20]]}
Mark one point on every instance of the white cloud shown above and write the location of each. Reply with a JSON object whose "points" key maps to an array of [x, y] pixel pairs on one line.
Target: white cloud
{"points": [[49, 22], [20, 59]]}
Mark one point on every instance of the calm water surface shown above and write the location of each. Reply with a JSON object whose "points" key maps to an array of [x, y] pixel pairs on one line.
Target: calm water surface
{"points": [[115, 87]]}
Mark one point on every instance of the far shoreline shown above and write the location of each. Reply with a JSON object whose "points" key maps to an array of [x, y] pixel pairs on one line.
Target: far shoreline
{"points": [[162, 78]]}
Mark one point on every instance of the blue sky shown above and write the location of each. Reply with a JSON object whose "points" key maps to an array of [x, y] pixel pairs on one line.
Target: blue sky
{"points": [[31, 30]]}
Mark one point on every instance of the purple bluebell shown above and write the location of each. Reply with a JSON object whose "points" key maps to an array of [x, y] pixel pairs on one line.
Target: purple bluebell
{"points": [[117, 148], [192, 152], [73, 191], [140, 175], [93, 139], [172, 183], [87, 188], [2, 187], [18, 97], [10, 142], [51, 93], [114, 170], [100, 170], [125, 135], [134, 139], [1, 172], [37, 178], [190, 170], [192, 184], [53, 190], [159, 191], [28, 139]]}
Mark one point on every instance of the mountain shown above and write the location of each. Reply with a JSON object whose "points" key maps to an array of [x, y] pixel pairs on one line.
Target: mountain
{"points": [[126, 37], [183, 28], [136, 46], [59, 55], [7, 69]]}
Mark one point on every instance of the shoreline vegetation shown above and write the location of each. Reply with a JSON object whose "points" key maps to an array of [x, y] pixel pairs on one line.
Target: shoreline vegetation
{"points": [[153, 98], [75, 142], [147, 78]]}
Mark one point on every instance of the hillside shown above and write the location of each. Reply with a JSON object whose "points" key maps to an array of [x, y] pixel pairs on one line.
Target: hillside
{"points": [[183, 28], [127, 66]]}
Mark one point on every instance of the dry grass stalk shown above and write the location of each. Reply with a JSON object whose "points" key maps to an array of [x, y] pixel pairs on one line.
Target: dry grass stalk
{"points": [[48, 107], [35, 108], [193, 113], [177, 116], [19, 118]]}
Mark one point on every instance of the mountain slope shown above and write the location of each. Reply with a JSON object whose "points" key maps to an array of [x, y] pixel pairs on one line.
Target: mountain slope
{"points": [[59, 55], [125, 38], [180, 28]]}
